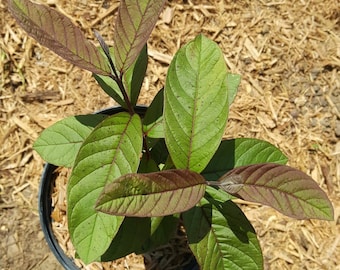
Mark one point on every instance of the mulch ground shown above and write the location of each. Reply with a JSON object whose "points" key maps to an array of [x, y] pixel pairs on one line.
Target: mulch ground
{"points": [[288, 53]]}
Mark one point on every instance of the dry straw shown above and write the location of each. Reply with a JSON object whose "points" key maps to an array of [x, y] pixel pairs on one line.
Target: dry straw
{"points": [[288, 54]]}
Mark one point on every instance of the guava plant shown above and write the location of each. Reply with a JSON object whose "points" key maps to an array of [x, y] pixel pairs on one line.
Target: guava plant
{"points": [[135, 177]]}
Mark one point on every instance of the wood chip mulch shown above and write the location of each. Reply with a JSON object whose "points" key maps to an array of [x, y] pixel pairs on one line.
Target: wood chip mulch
{"points": [[288, 53]]}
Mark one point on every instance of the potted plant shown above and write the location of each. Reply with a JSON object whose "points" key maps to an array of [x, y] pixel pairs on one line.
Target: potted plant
{"points": [[137, 175]]}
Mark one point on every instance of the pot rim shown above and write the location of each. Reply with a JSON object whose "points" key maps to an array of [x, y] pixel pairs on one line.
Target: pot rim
{"points": [[45, 210]]}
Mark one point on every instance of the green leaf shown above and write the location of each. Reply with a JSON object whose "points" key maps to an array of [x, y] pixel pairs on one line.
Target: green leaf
{"points": [[59, 144], [217, 194], [286, 189], [140, 235], [239, 152], [159, 152], [112, 149], [57, 32], [196, 104], [134, 24], [134, 76], [147, 165], [162, 230], [233, 81], [130, 238], [152, 194], [221, 237], [111, 88], [153, 120]]}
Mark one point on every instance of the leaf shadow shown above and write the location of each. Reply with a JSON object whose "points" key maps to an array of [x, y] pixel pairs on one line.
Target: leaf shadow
{"points": [[220, 164], [90, 120], [130, 236], [237, 221], [231, 215], [155, 111], [135, 236]]}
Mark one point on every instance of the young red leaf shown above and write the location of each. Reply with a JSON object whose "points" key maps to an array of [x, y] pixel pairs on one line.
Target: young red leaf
{"points": [[134, 23], [152, 194], [286, 189], [57, 32]]}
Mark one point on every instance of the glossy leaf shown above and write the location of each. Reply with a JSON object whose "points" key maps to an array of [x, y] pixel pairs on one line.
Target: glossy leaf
{"points": [[59, 143], [134, 76], [112, 149], [57, 32], [134, 23], [239, 152], [286, 189], [152, 194], [153, 120], [221, 237], [195, 104]]}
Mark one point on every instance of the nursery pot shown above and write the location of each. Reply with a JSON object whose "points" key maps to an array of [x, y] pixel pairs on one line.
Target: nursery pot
{"points": [[47, 183]]}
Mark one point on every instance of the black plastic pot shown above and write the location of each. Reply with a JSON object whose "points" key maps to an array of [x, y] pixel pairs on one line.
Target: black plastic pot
{"points": [[45, 210], [45, 206]]}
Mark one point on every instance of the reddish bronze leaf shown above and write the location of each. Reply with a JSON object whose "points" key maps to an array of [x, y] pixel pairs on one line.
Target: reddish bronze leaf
{"points": [[57, 32], [152, 194], [284, 188], [135, 21]]}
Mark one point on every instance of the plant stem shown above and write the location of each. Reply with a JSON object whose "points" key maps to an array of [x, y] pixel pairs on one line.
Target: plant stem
{"points": [[119, 81], [145, 146], [117, 78]]}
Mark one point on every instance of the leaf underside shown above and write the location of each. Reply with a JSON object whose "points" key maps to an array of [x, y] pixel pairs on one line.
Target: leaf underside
{"points": [[60, 143], [112, 149], [195, 104], [58, 33], [134, 23], [284, 188], [152, 194], [111, 88]]}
